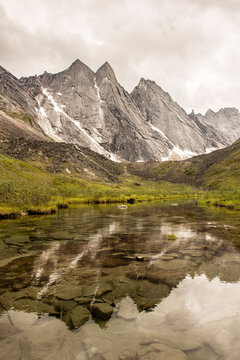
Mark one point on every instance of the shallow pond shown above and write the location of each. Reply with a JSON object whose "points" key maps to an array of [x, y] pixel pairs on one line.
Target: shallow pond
{"points": [[156, 281]]}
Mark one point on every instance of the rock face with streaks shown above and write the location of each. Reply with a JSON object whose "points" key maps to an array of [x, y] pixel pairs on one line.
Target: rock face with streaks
{"points": [[224, 124], [167, 117], [14, 95], [93, 110]]}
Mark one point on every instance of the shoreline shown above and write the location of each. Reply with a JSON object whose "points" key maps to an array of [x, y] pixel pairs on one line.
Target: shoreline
{"points": [[11, 213]]}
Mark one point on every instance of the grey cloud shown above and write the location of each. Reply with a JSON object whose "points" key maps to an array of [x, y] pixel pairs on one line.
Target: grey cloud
{"points": [[190, 48]]}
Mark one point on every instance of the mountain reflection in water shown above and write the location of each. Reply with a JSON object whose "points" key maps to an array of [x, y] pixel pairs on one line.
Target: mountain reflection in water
{"points": [[181, 302]]}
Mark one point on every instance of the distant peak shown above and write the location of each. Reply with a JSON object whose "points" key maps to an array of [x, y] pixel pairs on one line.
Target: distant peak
{"points": [[229, 110], [106, 71], [107, 66], [142, 81], [76, 62], [78, 65], [146, 82], [209, 112]]}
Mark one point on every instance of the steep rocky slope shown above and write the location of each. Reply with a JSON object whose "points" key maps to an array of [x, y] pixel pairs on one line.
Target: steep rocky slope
{"points": [[167, 117], [18, 115], [22, 137], [223, 124], [14, 95], [67, 159], [93, 110], [217, 170], [15, 125]]}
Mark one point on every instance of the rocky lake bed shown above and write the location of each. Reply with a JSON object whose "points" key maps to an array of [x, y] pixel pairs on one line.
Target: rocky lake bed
{"points": [[98, 282]]}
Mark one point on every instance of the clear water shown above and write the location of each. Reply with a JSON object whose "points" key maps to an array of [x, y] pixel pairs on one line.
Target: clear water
{"points": [[109, 283]]}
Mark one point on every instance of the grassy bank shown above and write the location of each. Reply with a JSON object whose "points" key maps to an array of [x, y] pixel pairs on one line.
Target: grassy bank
{"points": [[25, 189], [218, 198], [224, 178], [217, 174]]}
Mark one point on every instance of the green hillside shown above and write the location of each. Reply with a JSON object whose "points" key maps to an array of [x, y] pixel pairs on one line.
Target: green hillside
{"points": [[25, 188], [215, 175], [31, 187]]}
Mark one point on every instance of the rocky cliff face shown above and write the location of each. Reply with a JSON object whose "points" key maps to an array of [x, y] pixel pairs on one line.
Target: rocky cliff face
{"points": [[224, 124], [14, 95], [18, 110], [93, 110], [167, 117]]}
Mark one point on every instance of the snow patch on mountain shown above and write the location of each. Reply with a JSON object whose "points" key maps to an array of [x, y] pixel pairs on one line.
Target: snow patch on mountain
{"points": [[42, 111], [182, 154], [100, 112], [46, 125], [209, 150], [161, 132], [95, 145]]}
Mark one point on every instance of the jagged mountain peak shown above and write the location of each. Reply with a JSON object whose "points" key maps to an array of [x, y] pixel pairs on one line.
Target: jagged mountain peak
{"points": [[224, 124], [229, 110], [167, 116], [77, 63], [145, 82], [92, 109], [106, 71], [149, 88], [142, 81], [209, 112], [78, 66]]}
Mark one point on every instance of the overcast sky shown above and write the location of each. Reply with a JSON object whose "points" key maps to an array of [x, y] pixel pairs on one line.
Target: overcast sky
{"points": [[191, 48]]}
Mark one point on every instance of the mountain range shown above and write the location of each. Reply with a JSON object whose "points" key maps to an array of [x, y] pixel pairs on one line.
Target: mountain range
{"points": [[92, 110]]}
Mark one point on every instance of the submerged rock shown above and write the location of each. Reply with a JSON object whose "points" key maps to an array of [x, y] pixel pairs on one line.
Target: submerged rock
{"points": [[102, 311], [160, 352], [79, 315], [96, 290], [39, 307], [162, 271], [66, 306], [17, 240], [83, 300], [150, 294], [69, 293]]}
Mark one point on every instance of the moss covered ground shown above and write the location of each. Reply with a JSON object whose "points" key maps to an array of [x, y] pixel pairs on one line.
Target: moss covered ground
{"points": [[27, 189]]}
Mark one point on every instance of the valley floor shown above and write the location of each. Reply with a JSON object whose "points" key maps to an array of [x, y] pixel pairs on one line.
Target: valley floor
{"points": [[27, 189]]}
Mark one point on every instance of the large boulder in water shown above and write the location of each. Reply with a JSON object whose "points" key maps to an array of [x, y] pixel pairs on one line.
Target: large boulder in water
{"points": [[102, 311], [79, 315]]}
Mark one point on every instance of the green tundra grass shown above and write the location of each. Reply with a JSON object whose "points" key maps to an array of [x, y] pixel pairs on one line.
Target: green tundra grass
{"points": [[27, 189]]}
